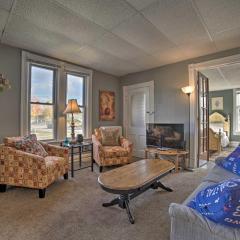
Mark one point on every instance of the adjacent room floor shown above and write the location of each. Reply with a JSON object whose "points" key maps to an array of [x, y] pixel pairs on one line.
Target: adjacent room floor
{"points": [[224, 153], [73, 210]]}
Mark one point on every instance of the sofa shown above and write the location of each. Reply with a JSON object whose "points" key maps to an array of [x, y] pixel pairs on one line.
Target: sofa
{"points": [[24, 169], [187, 224], [111, 155]]}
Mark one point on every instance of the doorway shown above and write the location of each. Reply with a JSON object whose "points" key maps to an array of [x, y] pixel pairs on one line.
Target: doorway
{"points": [[138, 110], [194, 112]]}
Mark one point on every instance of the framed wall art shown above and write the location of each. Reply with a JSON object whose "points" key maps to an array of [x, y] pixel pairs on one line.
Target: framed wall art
{"points": [[106, 105], [217, 103]]}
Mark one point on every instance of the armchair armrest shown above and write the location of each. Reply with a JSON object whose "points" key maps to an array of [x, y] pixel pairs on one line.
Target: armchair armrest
{"points": [[10, 154], [96, 143], [98, 153], [125, 143], [54, 150]]}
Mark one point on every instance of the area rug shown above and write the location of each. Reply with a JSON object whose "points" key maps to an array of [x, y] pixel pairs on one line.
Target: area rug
{"points": [[73, 210]]}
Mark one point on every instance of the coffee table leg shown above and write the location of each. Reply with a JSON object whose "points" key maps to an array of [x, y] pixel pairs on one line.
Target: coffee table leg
{"points": [[124, 203], [160, 185], [130, 216], [112, 203]]}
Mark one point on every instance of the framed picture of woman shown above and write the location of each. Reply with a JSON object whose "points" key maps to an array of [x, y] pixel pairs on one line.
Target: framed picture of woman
{"points": [[106, 105]]}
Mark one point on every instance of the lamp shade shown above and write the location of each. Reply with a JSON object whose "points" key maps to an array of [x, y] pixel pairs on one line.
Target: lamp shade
{"points": [[188, 89], [72, 107]]}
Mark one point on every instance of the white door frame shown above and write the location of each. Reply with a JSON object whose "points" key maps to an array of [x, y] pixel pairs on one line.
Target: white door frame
{"points": [[151, 111], [193, 68]]}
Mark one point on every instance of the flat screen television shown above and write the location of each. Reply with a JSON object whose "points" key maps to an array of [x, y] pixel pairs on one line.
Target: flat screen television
{"points": [[165, 136]]}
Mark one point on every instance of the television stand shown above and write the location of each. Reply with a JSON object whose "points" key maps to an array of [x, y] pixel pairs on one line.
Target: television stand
{"points": [[163, 148], [178, 154]]}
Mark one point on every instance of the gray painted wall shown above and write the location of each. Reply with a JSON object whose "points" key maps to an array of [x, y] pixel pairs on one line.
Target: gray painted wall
{"points": [[102, 81], [227, 107], [171, 105], [10, 66]]}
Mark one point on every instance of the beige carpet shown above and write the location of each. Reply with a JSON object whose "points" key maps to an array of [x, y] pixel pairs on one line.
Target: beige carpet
{"points": [[72, 210]]}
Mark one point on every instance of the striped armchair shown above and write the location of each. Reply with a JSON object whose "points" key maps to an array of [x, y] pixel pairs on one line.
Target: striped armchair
{"points": [[111, 155], [19, 168]]}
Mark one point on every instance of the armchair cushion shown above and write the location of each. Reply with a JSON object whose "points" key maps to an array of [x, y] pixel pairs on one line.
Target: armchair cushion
{"points": [[114, 151], [110, 136]]}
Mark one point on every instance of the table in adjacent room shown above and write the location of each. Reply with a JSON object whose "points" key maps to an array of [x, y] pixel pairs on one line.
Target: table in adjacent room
{"points": [[177, 153]]}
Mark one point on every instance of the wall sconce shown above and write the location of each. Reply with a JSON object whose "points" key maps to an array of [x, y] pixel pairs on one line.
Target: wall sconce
{"points": [[4, 83], [188, 90]]}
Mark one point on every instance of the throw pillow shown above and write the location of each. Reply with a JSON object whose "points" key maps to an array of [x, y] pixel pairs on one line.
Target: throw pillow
{"points": [[231, 162], [219, 203], [110, 136], [31, 145]]}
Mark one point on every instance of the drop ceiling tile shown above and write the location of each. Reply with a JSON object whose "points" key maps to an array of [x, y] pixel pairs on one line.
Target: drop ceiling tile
{"points": [[216, 79], [170, 55], [36, 38], [228, 39], [52, 17], [3, 19], [197, 50], [177, 20], [146, 61], [140, 4], [6, 4], [105, 13], [118, 47], [220, 15], [232, 74], [117, 68], [103, 61], [139, 32]]}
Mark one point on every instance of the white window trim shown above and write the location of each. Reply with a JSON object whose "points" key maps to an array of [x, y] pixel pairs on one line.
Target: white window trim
{"points": [[235, 132], [27, 58]]}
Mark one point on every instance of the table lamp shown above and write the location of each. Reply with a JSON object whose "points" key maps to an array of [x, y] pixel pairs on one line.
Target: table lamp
{"points": [[72, 107]]}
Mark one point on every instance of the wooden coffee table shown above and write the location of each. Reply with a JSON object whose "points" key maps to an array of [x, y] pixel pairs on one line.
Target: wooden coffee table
{"points": [[133, 179], [171, 152]]}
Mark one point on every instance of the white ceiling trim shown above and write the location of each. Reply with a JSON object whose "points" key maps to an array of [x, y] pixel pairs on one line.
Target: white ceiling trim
{"points": [[195, 7]]}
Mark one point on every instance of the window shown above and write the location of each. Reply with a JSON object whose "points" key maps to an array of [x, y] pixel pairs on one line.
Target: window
{"points": [[236, 111], [46, 86], [75, 90], [42, 102]]}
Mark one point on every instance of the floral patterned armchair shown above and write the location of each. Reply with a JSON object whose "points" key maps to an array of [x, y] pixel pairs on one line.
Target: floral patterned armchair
{"points": [[111, 155], [24, 169]]}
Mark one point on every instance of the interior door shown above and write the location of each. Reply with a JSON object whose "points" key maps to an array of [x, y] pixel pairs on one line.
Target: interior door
{"points": [[203, 119], [138, 110]]}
